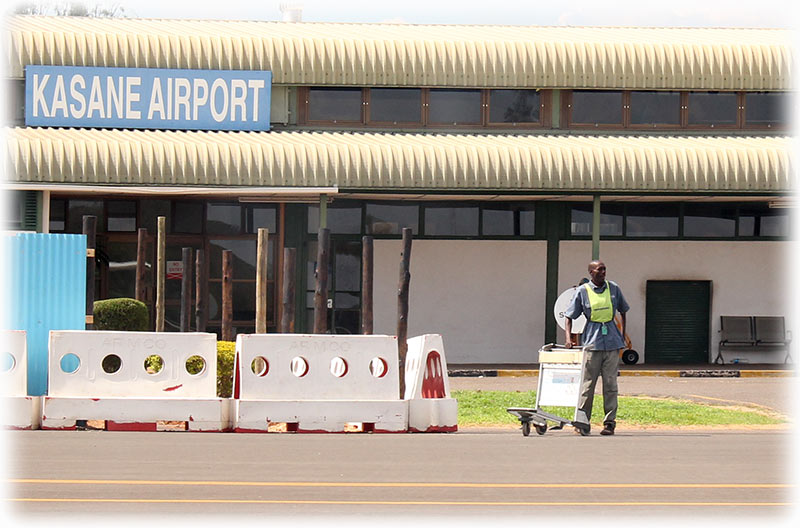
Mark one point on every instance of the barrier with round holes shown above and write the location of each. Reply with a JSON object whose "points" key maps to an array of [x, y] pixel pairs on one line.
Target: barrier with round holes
{"points": [[430, 407], [19, 411], [318, 383], [133, 380]]}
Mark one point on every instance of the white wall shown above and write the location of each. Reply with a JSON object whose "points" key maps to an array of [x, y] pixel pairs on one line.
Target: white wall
{"points": [[486, 297], [748, 278]]}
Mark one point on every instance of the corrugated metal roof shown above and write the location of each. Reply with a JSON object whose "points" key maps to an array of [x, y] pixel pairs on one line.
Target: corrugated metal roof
{"points": [[386, 161], [416, 55]]}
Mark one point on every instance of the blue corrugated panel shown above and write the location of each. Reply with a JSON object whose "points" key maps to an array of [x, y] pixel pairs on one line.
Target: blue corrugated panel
{"points": [[45, 289]]}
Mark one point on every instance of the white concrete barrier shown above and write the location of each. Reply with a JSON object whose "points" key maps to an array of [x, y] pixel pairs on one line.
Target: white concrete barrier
{"points": [[430, 407], [318, 383], [103, 375], [19, 411]]}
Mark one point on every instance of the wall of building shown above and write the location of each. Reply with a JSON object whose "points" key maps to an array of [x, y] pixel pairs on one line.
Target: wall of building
{"points": [[748, 278], [486, 297]]}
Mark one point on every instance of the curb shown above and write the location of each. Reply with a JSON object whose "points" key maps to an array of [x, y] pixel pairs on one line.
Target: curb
{"points": [[710, 373]]}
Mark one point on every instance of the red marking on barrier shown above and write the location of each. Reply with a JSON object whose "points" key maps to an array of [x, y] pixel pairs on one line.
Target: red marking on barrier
{"points": [[95, 399], [191, 418], [131, 426], [367, 427], [173, 388], [236, 377], [435, 429], [65, 428], [246, 430], [433, 380]]}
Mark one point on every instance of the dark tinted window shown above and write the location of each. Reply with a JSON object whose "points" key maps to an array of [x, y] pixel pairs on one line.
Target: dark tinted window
{"points": [[454, 107], [767, 108], [497, 222], [386, 219], [597, 107], [121, 215], [334, 104], [262, 216], [79, 208], [395, 105], [58, 215], [341, 220], [655, 108], [188, 217], [712, 108], [652, 220], [451, 221], [150, 211], [702, 220], [610, 220], [223, 219], [514, 106], [762, 221]]}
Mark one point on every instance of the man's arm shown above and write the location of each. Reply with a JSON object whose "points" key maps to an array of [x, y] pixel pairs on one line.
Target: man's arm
{"points": [[624, 322], [568, 329]]}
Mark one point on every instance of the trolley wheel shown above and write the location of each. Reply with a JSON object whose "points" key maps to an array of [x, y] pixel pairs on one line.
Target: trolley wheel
{"points": [[526, 428], [630, 357], [540, 429]]}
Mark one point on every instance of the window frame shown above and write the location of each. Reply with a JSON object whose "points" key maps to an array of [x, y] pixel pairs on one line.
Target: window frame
{"points": [[739, 108], [567, 108], [545, 111], [743, 104]]}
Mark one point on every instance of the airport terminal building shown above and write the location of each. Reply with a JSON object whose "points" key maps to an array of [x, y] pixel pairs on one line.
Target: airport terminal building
{"points": [[494, 144]]}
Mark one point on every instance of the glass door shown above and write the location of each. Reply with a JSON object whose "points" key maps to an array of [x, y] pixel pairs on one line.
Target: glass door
{"points": [[344, 285]]}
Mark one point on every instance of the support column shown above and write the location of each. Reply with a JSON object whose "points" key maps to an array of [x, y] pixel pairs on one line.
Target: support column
{"points": [[596, 227]]}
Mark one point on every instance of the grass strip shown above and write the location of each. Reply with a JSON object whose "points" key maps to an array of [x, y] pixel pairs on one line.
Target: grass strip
{"points": [[488, 408]]}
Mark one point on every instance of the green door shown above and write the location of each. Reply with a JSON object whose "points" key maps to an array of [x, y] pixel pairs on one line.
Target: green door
{"points": [[677, 321]]}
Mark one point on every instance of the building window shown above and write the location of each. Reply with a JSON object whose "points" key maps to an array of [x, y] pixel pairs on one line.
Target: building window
{"points": [[223, 218], [651, 109], [188, 217], [766, 109], [262, 216], [454, 107], [760, 221], [58, 215], [151, 210], [335, 105], [460, 220], [611, 219], [514, 106], [388, 219], [708, 220], [713, 109], [342, 220], [395, 105], [121, 215], [595, 108], [651, 220], [77, 209]]}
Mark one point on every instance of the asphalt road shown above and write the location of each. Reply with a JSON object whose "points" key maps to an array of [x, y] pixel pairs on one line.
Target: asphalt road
{"points": [[475, 476]]}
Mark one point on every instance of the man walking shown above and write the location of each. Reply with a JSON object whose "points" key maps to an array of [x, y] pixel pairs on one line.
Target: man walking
{"points": [[598, 300]]}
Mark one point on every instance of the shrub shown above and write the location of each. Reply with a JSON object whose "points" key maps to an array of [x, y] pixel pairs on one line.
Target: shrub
{"points": [[226, 352], [121, 314]]}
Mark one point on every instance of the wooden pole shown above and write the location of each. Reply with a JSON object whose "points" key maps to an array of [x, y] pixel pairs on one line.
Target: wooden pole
{"points": [[141, 264], [161, 271], [200, 293], [367, 252], [321, 274], [227, 295], [186, 290], [90, 230], [596, 227], [402, 308], [261, 280], [287, 317]]}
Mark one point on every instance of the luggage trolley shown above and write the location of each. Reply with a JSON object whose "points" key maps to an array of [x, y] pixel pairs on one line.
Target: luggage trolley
{"points": [[560, 380]]}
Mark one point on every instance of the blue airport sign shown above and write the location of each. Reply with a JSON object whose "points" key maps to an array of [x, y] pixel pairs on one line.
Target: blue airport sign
{"points": [[89, 97]]}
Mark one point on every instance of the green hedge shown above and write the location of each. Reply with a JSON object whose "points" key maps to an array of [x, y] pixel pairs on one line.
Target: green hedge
{"points": [[226, 352], [121, 314]]}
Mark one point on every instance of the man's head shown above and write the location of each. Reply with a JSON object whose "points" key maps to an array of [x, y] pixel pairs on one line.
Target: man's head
{"points": [[597, 270]]}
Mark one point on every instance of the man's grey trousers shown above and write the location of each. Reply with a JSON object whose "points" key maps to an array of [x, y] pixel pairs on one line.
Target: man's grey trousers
{"points": [[599, 363]]}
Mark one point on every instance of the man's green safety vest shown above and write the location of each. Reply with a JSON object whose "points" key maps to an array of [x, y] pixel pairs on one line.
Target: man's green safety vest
{"points": [[602, 309]]}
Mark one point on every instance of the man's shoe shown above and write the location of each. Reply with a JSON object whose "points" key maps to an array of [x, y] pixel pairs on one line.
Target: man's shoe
{"points": [[608, 430], [581, 431]]}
